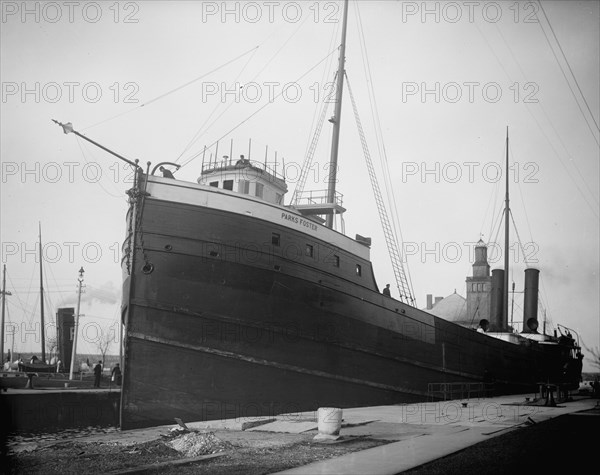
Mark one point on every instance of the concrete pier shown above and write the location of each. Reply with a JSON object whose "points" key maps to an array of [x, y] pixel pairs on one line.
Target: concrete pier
{"points": [[417, 433]]}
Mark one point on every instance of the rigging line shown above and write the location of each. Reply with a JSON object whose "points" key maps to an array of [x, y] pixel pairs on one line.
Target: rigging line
{"points": [[309, 155], [56, 286], [375, 116], [172, 90], [495, 208], [16, 294], [570, 70], [47, 299], [519, 240], [543, 109], [496, 224], [474, 313], [33, 312], [491, 201], [316, 126], [29, 291], [594, 211], [15, 330], [571, 89], [255, 112], [389, 189], [499, 212], [539, 125], [200, 131], [281, 48], [499, 226], [326, 71], [522, 200], [391, 240], [79, 142]]}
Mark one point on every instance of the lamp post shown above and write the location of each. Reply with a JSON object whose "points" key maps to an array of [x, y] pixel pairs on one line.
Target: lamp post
{"points": [[74, 350]]}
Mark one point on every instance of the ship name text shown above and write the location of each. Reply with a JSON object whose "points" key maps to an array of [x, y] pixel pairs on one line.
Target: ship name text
{"points": [[298, 220]]}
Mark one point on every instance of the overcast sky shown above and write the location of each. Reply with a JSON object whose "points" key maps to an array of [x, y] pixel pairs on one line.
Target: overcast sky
{"points": [[448, 79]]}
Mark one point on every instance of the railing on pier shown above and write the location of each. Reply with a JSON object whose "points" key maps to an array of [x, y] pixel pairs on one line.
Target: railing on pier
{"points": [[459, 390]]}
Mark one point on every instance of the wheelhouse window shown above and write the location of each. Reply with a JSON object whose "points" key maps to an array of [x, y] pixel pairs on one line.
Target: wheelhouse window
{"points": [[358, 270], [214, 183], [228, 185], [310, 250], [244, 186], [276, 239], [259, 190], [336, 261]]}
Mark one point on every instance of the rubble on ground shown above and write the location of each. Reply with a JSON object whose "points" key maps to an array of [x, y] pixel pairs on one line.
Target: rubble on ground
{"points": [[193, 444]]}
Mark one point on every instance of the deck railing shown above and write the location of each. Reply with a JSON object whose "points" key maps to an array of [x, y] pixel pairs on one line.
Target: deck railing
{"points": [[273, 168], [317, 197]]}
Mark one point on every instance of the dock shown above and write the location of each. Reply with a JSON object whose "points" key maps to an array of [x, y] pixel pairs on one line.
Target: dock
{"points": [[412, 435]]}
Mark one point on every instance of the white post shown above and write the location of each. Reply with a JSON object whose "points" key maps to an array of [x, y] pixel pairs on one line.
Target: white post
{"points": [[74, 351]]}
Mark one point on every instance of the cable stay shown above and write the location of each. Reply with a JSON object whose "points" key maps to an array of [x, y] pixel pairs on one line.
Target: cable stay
{"points": [[519, 240], [178, 88], [309, 156], [297, 80], [402, 281]]}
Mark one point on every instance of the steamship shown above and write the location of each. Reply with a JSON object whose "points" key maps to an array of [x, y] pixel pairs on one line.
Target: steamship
{"points": [[237, 305]]}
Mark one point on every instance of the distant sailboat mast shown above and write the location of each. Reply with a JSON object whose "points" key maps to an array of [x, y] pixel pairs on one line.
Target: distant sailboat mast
{"points": [[336, 123], [4, 293], [43, 333], [506, 244]]}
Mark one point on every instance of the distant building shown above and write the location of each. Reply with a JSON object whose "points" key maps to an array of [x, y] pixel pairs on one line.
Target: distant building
{"points": [[477, 306], [479, 287], [452, 308]]}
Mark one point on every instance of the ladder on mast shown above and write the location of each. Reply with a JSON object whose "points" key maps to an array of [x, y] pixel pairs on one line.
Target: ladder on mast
{"points": [[402, 281]]}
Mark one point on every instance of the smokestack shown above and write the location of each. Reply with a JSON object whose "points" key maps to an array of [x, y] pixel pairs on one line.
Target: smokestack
{"points": [[438, 299], [65, 321], [530, 301], [497, 301], [429, 301]]}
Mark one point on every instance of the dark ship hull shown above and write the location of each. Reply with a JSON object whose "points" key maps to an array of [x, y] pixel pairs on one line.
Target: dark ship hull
{"points": [[235, 307]]}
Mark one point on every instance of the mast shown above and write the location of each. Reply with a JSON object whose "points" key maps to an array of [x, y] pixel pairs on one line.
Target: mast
{"points": [[43, 332], [4, 294], [76, 329], [337, 118], [68, 128], [506, 244]]}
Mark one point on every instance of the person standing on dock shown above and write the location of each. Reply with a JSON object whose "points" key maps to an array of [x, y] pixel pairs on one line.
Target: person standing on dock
{"points": [[97, 374], [116, 375]]}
